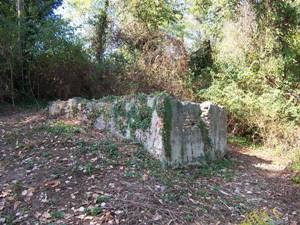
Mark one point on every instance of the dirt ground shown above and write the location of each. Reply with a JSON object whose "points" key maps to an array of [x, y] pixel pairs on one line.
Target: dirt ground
{"points": [[57, 172]]}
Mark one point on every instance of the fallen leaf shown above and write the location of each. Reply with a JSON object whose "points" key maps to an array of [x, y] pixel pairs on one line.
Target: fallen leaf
{"points": [[5, 193], [52, 183], [2, 205], [16, 204], [46, 215]]}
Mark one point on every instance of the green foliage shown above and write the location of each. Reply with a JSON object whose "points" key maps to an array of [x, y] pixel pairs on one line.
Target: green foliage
{"points": [[222, 167], [110, 148], [93, 211], [251, 73], [167, 117], [155, 14], [245, 55], [241, 141], [102, 198], [296, 163], [204, 133], [89, 168], [101, 25], [139, 116], [199, 65], [9, 219], [57, 215], [59, 128], [39, 53], [295, 167]]}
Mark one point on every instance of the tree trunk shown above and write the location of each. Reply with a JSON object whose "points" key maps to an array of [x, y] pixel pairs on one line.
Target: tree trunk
{"points": [[20, 12], [12, 91]]}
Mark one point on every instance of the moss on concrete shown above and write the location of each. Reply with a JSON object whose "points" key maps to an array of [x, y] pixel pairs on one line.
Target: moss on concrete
{"points": [[119, 114], [167, 117], [139, 117], [205, 138]]}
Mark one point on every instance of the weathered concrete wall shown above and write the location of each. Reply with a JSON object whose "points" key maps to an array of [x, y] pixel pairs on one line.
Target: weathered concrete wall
{"points": [[177, 133]]}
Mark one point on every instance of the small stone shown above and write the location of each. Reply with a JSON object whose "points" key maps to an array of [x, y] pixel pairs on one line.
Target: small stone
{"points": [[81, 209]]}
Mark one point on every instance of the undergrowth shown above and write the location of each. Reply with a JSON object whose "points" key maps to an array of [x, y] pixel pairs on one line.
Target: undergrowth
{"points": [[295, 166], [61, 128]]}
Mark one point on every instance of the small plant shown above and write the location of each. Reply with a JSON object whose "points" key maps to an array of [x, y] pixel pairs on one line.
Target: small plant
{"points": [[10, 137], [93, 211], [102, 198], [296, 179], [188, 217], [222, 167], [82, 146], [241, 141], [202, 193], [9, 219], [295, 166], [58, 172], [46, 154], [95, 147], [89, 168], [129, 173], [59, 128], [29, 165], [112, 150], [57, 214], [17, 189]]}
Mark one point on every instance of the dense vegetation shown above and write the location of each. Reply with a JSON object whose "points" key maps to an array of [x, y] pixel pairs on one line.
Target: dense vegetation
{"points": [[244, 55]]}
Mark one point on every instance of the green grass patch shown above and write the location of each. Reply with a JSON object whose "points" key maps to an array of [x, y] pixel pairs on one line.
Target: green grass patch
{"points": [[241, 141], [296, 163], [93, 211], [57, 215], [61, 128], [295, 166], [9, 219], [102, 198], [223, 167]]}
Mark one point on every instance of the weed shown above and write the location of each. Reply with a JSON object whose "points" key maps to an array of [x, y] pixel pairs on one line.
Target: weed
{"points": [[102, 198], [296, 163], [17, 188], [93, 211], [46, 154], [175, 196], [58, 172], [202, 193], [82, 147], [57, 214], [222, 167], [95, 147], [188, 217], [143, 161], [10, 138], [111, 149], [89, 168], [241, 141], [9, 219], [132, 174], [295, 166], [296, 179], [29, 165], [61, 128]]}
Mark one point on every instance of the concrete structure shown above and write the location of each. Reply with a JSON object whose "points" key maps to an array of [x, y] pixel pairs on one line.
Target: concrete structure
{"points": [[175, 132]]}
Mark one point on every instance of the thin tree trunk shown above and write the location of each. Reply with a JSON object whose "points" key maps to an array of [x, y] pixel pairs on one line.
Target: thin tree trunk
{"points": [[12, 91], [20, 11]]}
